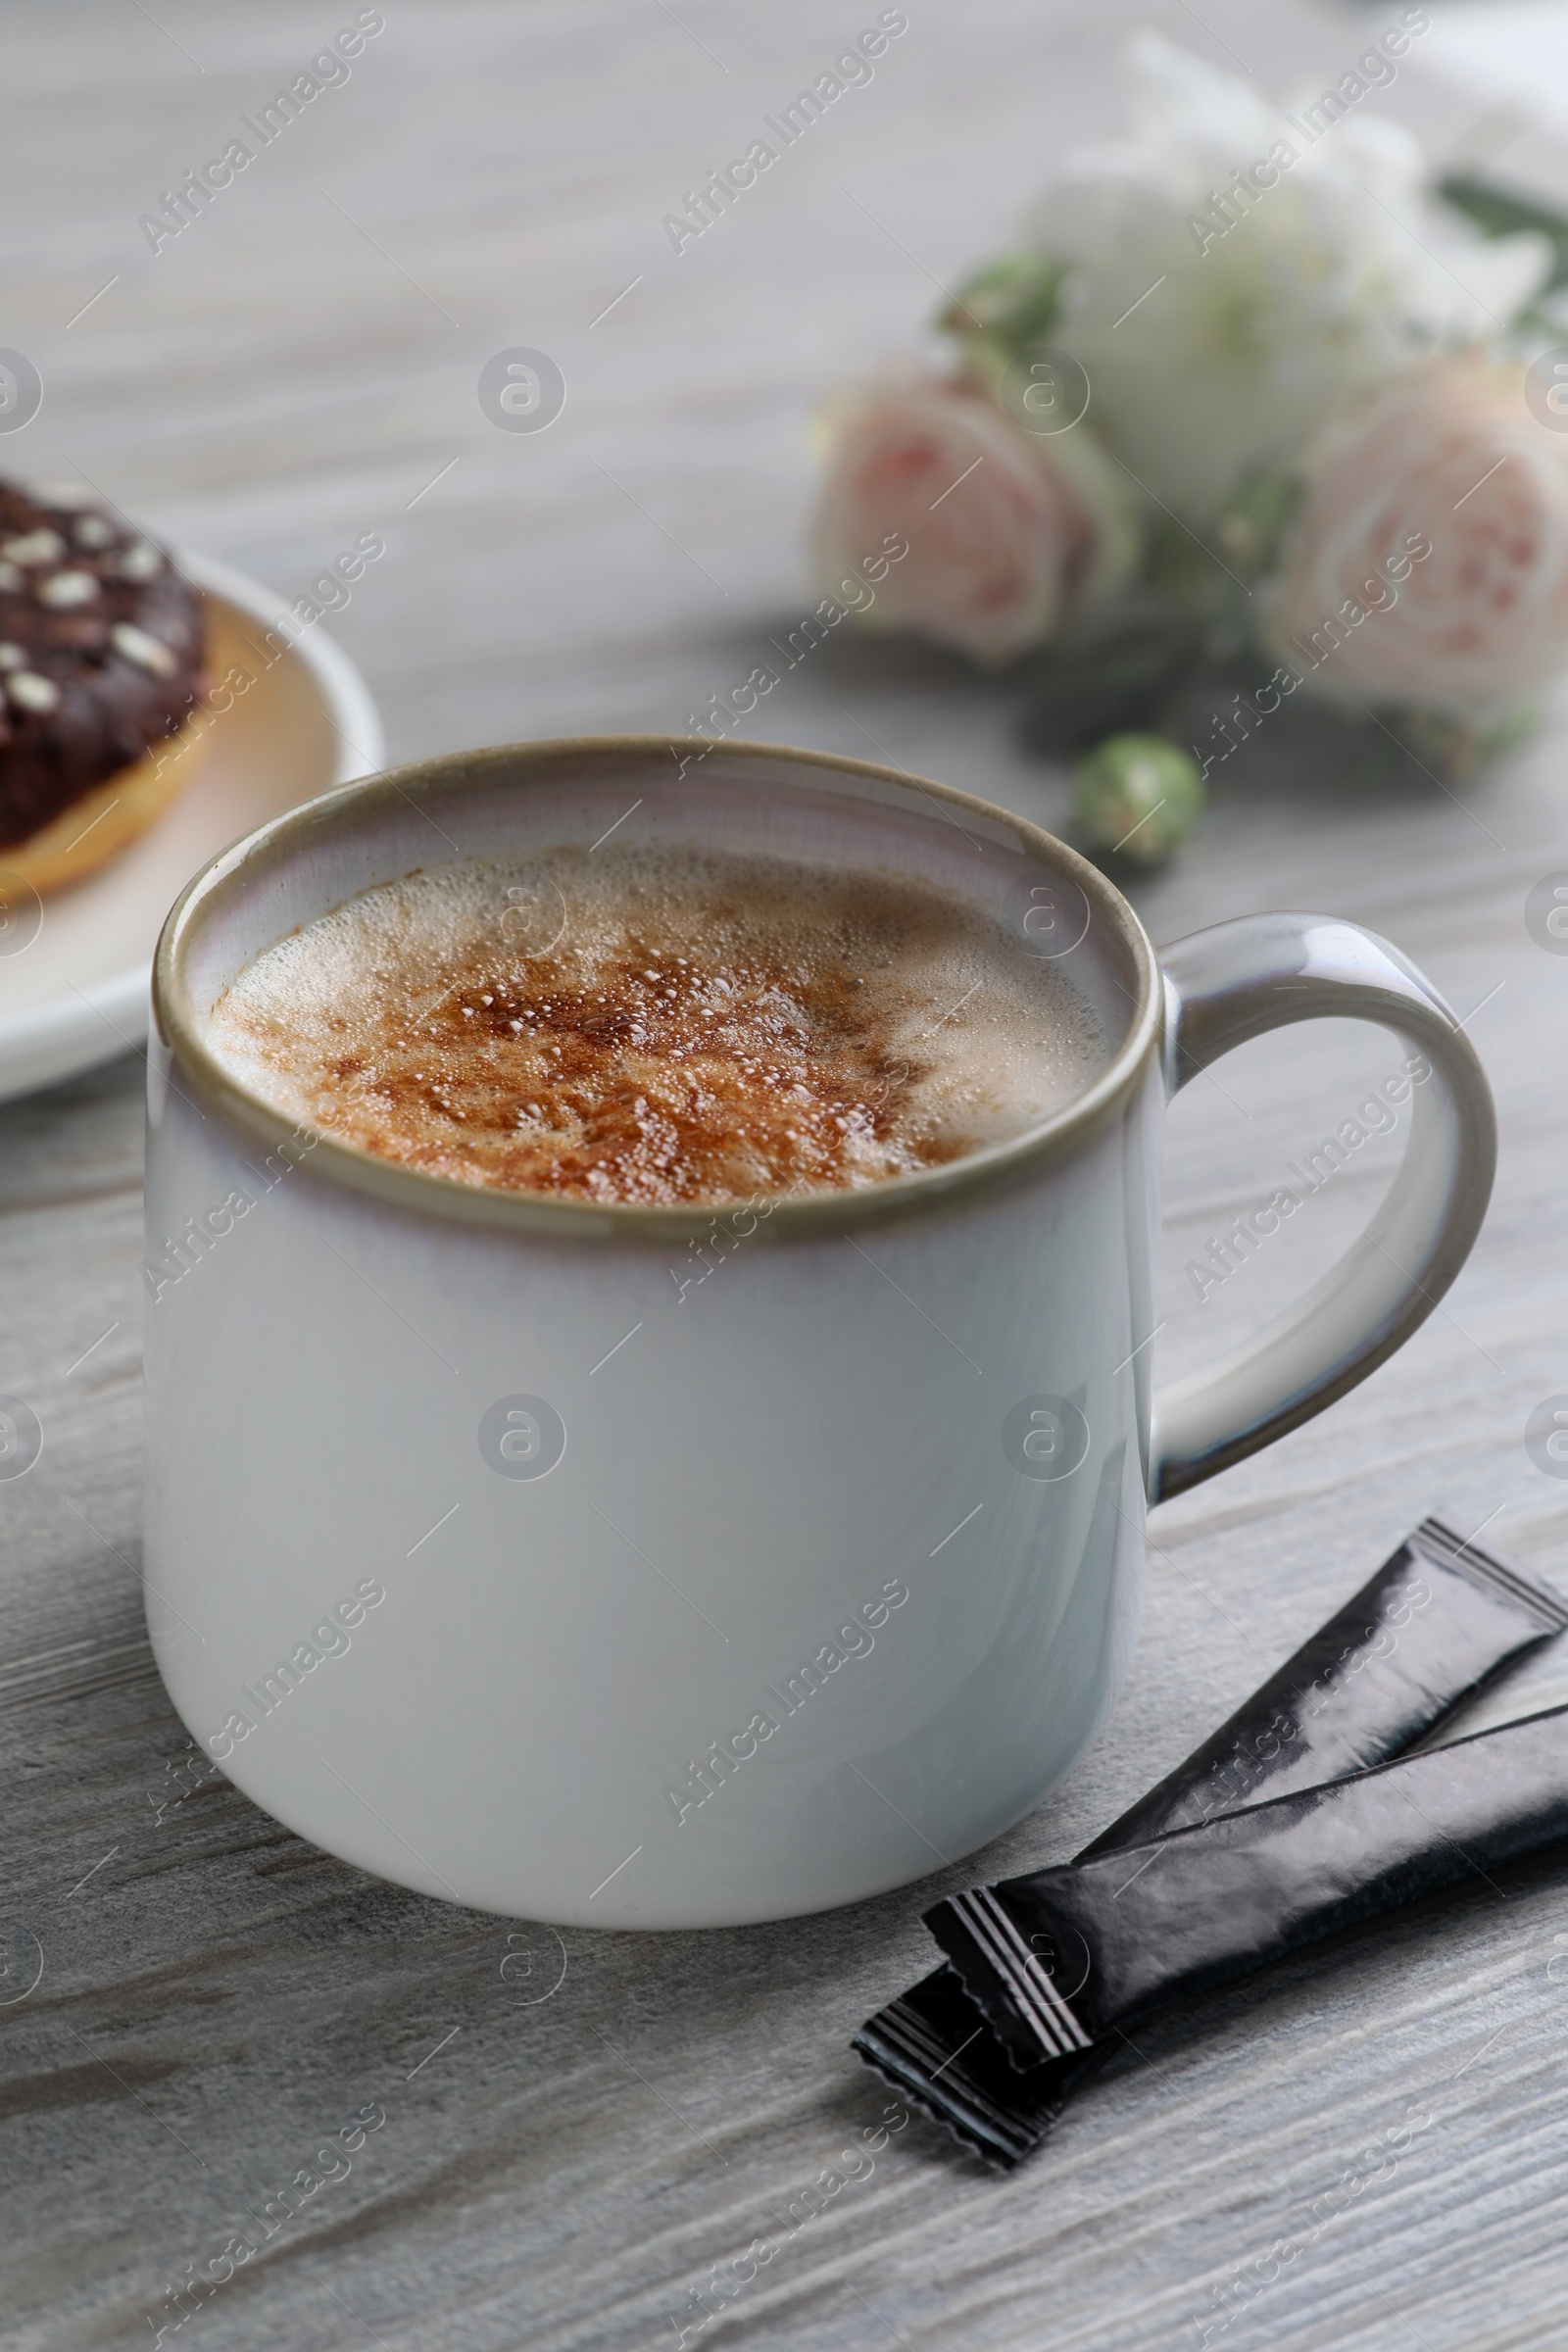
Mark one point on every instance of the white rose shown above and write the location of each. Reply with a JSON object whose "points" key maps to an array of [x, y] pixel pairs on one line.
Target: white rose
{"points": [[1429, 563], [1215, 351], [1005, 534]]}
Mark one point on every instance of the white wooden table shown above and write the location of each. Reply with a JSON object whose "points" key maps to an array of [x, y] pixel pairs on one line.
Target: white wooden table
{"points": [[564, 2160]]}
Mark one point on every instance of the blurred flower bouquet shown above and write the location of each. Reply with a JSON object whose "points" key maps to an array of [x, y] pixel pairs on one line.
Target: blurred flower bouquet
{"points": [[1257, 415]]}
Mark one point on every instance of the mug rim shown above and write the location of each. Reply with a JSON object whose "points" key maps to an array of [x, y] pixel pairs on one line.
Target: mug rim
{"points": [[548, 1215]]}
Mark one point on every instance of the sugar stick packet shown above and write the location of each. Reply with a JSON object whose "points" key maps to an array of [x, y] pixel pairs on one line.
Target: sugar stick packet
{"points": [[1061, 1959], [1439, 1618]]}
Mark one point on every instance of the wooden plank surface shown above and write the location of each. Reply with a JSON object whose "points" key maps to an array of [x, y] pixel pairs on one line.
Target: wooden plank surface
{"points": [[576, 2134]]}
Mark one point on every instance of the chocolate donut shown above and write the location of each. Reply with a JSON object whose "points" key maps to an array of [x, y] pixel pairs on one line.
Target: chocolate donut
{"points": [[101, 648]]}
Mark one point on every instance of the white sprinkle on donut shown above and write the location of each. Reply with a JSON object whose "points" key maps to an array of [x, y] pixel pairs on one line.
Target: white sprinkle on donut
{"points": [[30, 692], [66, 588], [12, 657], [34, 546], [93, 531], [10, 577], [140, 562], [148, 652]]}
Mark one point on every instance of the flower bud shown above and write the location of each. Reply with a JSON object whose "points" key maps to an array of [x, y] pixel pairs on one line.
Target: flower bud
{"points": [[1138, 794]]}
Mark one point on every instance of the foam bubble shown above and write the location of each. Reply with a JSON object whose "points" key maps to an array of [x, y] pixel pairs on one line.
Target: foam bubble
{"points": [[651, 1024]]}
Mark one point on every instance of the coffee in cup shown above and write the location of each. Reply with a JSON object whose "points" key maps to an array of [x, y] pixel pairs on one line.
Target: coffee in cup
{"points": [[659, 1023]]}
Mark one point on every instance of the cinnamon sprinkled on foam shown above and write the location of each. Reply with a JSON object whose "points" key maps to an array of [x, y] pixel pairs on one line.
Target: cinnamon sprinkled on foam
{"points": [[656, 1025]]}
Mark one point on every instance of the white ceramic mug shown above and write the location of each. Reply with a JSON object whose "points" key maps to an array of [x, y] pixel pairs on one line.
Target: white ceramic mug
{"points": [[671, 1567]]}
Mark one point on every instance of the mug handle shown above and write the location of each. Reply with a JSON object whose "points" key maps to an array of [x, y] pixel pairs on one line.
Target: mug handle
{"points": [[1230, 983]]}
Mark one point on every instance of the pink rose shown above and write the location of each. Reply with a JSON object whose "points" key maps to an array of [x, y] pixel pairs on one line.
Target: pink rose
{"points": [[1428, 563], [1005, 532]]}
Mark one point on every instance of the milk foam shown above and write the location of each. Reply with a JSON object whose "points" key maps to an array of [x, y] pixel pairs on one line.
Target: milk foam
{"points": [[649, 1024]]}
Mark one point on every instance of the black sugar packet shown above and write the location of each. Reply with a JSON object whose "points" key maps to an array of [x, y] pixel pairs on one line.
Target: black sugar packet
{"points": [[1256, 1844]]}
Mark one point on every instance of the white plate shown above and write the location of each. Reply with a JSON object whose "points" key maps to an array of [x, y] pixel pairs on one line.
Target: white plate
{"points": [[77, 993]]}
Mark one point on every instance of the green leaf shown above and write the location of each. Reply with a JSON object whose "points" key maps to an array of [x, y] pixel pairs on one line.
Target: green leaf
{"points": [[1253, 524], [1012, 301], [1497, 213], [1453, 749], [1194, 578]]}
